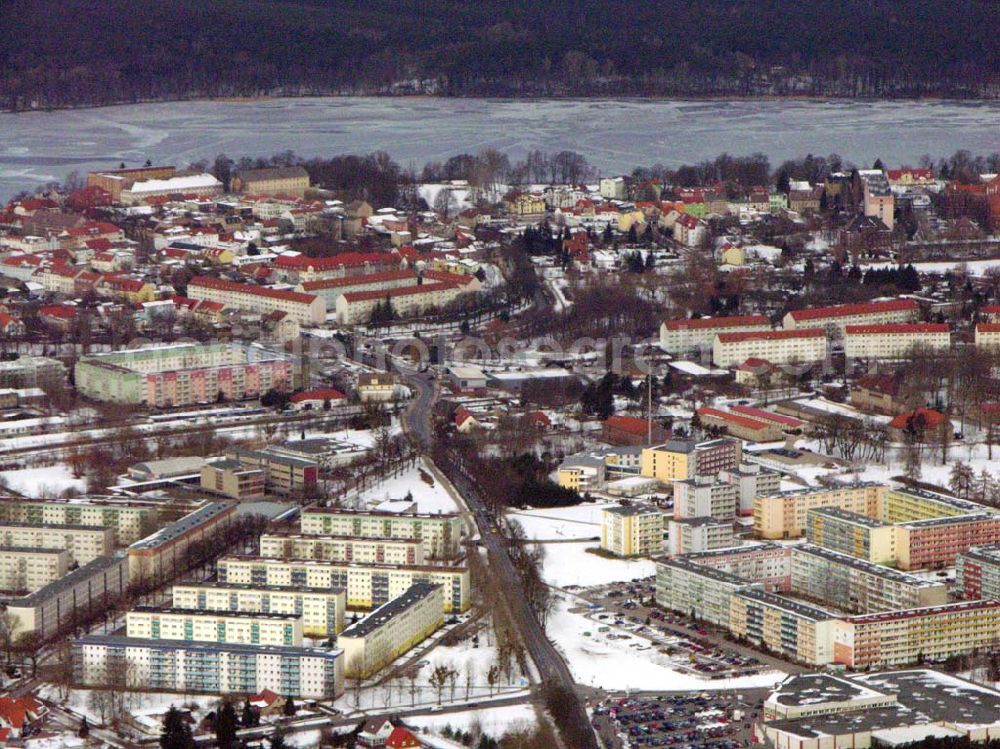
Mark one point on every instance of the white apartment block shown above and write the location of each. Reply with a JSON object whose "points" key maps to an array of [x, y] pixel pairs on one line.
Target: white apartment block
{"points": [[209, 668], [895, 340], [877, 198], [356, 307], [305, 309], [194, 625], [705, 496], [632, 530], [696, 591], [70, 599], [751, 480], [441, 534], [391, 630], [842, 315], [367, 585], [342, 548], [698, 534], [681, 336], [27, 569], [805, 345], [128, 522], [83, 542], [321, 609], [988, 334]]}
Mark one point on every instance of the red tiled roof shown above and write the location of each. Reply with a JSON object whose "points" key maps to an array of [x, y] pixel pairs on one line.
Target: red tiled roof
{"points": [[360, 296], [630, 424], [762, 415], [320, 394], [891, 328], [400, 738], [344, 259], [931, 418], [744, 421], [706, 323], [16, 711], [772, 335], [988, 327], [368, 278], [208, 282], [462, 415], [846, 310], [62, 311]]}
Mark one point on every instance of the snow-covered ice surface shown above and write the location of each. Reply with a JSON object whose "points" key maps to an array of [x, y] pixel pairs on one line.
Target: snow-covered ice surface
{"points": [[613, 664], [614, 134], [44, 481]]}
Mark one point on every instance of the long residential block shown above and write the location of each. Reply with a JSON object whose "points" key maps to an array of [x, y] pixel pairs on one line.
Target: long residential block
{"points": [[367, 585], [696, 591], [391, 630], [208, 668], [769, 564], [27, 569], [936, 542], [198, 625], [71, 599], [855, 585], [796, 630], [902, 505], [306, 309], [852, 533], [342, 548], [784, 515], [161, 555], [130, 522], [441, 534], [842, 315], [799, 346], [895, 341], [681, 336], [83, 542], [321, 609]]}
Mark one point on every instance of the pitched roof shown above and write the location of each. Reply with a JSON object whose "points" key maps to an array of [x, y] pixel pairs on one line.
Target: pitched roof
{"points": [[705, 323], [744, 421], [847, 310], [630, 424], [771, 335], [400, 738], [16, 711], [320, 394], [897, 328], [209, 282], [931, 418]]}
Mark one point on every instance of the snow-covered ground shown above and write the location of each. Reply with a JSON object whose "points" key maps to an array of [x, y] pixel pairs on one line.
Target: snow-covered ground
{"points": [[571, 564], [552, 523], [496, 721], [619, 664], [46, 481], [430, 497]]}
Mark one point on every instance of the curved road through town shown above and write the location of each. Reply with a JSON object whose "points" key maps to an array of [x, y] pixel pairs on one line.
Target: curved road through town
{"points": [[547, 660]]}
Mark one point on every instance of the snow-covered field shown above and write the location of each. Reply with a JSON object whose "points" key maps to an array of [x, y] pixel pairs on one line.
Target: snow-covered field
{"points": [[571, 564], [45, 481], [554, 523], [495, 721], [430, 497]]}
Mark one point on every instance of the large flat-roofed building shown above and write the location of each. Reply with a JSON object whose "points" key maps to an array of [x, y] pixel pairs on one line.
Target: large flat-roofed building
{"points": [[391, 630], [887, 709], [161, 555], [697, 591], [343, 548], [367, 585], [182, 374], [935, 542], [906, 636], [841, 315], [856, 585], [32, 371], [441, 533], [681, 336], [692, 535], [24, 569], [977, 573], [291, 180], [114, 181], [794, 629], [305, 309], [785, 515], [686, 459], [321, 609], [71, 599], [129, 521], [283, 474], [201, 185], [902, 505], [83, 542], [200, 625], [769, 564], [632, 530], [230, 478], [208, 668], [798, 346], [852, 533], [895, 340]]}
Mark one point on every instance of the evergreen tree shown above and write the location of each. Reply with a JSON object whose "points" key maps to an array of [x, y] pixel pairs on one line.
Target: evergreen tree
{"points": [[633, 236], [176, 732], [84, 730], [226, 725], [249, 715], [290, 708]]}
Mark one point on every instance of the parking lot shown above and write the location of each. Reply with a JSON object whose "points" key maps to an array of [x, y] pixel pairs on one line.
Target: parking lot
{"points": [[618, 615], [683, 721]]}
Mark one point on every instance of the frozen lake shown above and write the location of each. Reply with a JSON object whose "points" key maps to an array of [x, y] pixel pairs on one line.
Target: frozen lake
{"points": [[614, 135]]}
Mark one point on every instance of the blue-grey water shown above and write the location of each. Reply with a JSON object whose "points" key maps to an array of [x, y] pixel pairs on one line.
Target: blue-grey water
{"points": [[614, 135]]}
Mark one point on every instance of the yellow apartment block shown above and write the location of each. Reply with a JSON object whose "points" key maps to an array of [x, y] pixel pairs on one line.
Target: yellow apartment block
{"points": [[796, 630], [441, 533], [632, 530], [907, 505], [84, 543], [391, 630], [784, 515]]}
